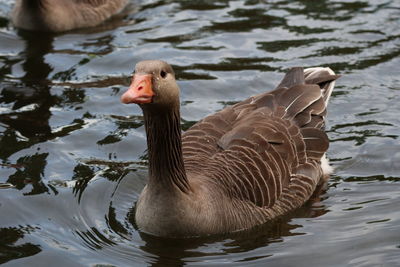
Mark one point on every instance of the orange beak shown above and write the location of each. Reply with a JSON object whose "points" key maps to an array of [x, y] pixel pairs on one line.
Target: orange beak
{"points": [[140, 91]]}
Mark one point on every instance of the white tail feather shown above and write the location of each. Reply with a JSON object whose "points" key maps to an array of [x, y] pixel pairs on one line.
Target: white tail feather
{"points": [[326, 168]]}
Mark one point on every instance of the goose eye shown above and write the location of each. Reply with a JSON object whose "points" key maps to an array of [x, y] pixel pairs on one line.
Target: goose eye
{"points": [[163, 74]]}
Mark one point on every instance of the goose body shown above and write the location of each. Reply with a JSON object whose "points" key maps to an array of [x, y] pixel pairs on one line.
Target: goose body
{"points": [[63, 15], [240, 167]]}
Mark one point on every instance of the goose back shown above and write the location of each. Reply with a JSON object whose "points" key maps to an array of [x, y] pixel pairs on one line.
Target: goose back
{"points": [[265, 151], [63, 15]]}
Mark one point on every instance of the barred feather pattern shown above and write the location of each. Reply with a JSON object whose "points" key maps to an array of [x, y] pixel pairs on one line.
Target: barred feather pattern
{"points": [[264, 154]]}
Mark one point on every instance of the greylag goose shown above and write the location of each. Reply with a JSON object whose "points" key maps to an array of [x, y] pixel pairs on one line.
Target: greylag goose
{"points": [[63, 15], [240, 167]]}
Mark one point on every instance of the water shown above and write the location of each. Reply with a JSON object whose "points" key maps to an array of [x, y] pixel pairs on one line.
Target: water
{"points": [[73, 159]]}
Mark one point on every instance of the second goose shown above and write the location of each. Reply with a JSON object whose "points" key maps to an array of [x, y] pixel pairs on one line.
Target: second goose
{"points": [[63, 15]]}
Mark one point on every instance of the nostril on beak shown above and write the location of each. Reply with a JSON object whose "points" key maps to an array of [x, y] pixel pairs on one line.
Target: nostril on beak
{"points": [[140, 88]]}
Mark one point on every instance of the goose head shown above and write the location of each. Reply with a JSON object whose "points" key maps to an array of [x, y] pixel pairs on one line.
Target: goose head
{"points": [[153, 85]]}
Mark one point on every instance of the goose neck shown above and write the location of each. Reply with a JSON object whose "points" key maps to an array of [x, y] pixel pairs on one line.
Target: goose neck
{"points": [[166, 167]]}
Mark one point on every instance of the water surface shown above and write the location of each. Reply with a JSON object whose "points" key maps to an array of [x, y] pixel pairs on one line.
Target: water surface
{"points": [[73, 159]]}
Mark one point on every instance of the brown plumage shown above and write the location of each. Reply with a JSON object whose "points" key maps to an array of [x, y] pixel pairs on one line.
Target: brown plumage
{"points": [[237, 168], [63, 15]]}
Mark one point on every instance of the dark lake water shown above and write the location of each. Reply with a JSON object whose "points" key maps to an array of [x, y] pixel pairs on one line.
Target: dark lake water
{"points": [[73, 159]]}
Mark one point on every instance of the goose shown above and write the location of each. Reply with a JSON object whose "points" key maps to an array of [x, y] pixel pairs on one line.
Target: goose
{"points": [[240, 167], [63, 15]]}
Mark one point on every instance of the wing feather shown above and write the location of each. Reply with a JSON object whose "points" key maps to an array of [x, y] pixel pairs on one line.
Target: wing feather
{"points": [[266, 150]]}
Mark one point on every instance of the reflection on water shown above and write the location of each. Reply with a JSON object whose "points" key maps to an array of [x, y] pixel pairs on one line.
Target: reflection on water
{"points": [[30, 98], [73, 160], [10, 250]]}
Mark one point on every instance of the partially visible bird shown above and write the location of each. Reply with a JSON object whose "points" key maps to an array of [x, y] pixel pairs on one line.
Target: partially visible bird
{"points": [[63, 15]]}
